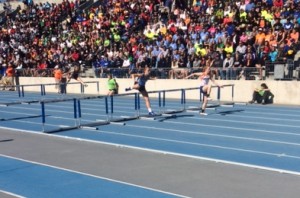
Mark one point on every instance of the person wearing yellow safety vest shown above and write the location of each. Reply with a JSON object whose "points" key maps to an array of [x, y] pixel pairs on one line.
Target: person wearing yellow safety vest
{"points": [[200, 49], [116, 38], [150, 35]]}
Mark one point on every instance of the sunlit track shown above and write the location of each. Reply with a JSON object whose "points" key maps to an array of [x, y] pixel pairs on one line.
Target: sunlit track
{"points": [[241, 128]]}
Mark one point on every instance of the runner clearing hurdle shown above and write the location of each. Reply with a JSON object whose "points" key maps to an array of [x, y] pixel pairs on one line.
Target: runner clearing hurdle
{"points": [[139, 84], [76, 75], [205, 88]]}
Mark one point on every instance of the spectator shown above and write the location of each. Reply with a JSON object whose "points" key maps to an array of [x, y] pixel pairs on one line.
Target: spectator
{"points": [[228, 66], [261, 64], [10, 78], [217, 65], [262, 95], [57, 32], [57, 77], [113, 86]]}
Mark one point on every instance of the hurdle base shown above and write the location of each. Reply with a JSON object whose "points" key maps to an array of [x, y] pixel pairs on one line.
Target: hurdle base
{"points": [[173, 111], [94, 124], [61, 129], [124, 119]]}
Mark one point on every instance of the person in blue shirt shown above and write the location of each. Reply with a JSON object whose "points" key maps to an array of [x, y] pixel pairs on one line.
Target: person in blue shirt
{"points": [[140, 85], [273, 54], [96, 66]]}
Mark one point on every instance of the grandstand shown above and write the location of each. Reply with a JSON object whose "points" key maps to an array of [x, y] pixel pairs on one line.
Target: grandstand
{"points": [[175, 38]]}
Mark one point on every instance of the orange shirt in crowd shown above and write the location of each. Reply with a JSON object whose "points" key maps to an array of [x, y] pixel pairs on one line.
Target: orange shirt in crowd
{"points": [[295, 35], [260, 38], [10, 71], [57, 74]]}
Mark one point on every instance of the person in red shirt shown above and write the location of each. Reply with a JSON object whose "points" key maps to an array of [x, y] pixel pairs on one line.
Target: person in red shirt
{"points": [[278, 3], [42, 68], [75, 56]]}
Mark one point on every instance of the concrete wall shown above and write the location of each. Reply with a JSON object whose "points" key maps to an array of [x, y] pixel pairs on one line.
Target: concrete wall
{"points": [[286, 92]]}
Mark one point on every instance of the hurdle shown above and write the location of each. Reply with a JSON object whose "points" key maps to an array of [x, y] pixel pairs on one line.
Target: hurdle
{"points": [[77, 114], [122, 119], [21, 88], [137, 106], [110, 109], [94, 125], [214, 106], [7, 104], [61, 128]]}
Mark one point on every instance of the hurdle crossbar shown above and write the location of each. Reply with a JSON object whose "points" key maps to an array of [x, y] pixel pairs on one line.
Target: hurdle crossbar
{"points": [[20, 88], [20, 118]]}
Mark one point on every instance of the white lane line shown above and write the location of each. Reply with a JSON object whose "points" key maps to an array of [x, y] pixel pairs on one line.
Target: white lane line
{"points": [[203, 145], [294, 114], [161, 152], [125, 106], [191, 143], [91, 175], [56, 111], [215, 135], [294, 109], [191, 132], [246, 122], [117, 111], [234, 128], [11, 194], [263, 118]]}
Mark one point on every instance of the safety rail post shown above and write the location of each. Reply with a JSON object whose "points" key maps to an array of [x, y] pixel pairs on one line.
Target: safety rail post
{"points": [[81, 89], [98, 89], [19, 90], [159, 101], [164, 101], [219, 94], [183, 98], [106, 109], [43, 116], [138, 104], [79, 111], [44, 90], [75, 111], [111, 106], [232, 92], [22, 89], [41, 90]]}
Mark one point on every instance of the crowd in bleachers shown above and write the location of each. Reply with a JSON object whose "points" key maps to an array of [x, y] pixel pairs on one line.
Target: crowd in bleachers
{"points": [[174, 37]]}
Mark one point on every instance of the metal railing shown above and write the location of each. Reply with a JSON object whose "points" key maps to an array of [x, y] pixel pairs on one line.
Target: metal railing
{"points": [[280, 70]]}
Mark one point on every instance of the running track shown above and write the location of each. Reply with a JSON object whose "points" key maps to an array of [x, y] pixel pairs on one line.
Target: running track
{"points": [[264, 137]]}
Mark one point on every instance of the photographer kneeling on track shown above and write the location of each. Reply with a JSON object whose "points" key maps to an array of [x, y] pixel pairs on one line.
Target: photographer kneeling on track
{"points": [[262, 95]]}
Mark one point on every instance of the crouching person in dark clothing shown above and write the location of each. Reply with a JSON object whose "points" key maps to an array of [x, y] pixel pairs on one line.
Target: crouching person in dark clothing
{"points": [[262, 95]]}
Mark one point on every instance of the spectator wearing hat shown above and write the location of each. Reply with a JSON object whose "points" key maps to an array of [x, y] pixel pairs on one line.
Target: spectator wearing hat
{"points": [[57, 77], [260, 37]]}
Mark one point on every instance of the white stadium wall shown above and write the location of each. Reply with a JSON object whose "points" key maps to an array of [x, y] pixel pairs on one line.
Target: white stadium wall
{"points": [[286, 92]]}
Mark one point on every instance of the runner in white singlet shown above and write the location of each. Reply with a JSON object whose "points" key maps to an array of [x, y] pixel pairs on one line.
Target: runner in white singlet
{"points": [[205, 87]]}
